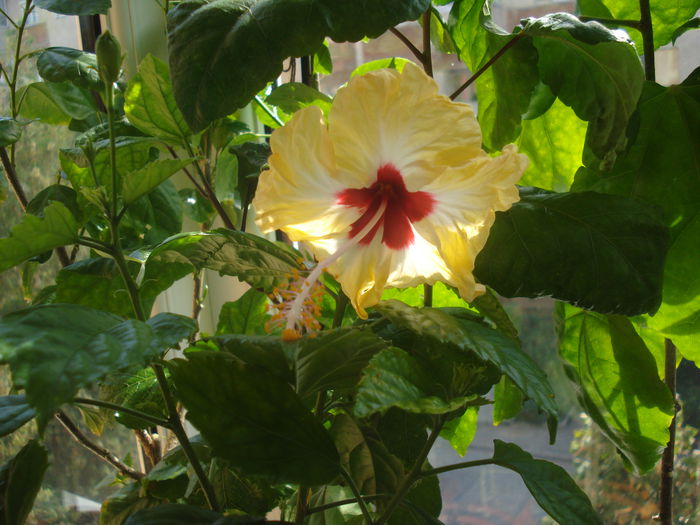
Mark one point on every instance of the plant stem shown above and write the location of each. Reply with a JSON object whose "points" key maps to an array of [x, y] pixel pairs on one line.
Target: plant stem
{"points": [[125, 410], [103, 453], [417, 52], [488, 64], [412, 475], [8, 18], [665, 516], [634, 24], [342, 502], [11, 177], [14, 106], [427, 295], [358, 495], [647, 30], [267, 110], [456, 466], [427, 55]]}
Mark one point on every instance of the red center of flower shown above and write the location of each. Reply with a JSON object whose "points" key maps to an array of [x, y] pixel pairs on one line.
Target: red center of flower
{"points": [[403, 208]]}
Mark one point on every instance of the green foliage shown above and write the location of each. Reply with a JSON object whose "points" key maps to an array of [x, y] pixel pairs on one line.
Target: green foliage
{"points": [[64, 64], [245, 315], [10, 131], [14, 412], [56, 102], [70, 7], [20, 479]]}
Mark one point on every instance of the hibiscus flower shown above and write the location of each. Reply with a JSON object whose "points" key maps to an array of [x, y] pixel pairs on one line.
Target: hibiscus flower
{"points": [[393, 190]]}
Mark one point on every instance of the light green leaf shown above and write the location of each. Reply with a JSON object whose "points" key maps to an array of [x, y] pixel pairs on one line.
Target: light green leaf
{"points": [[71, 7], [34, 235], [55, 102], [294, 96], [602, 81], [14, 412], [461, 430], [138, 183], [507, 400], [439, 34], [323, 63], [554, 144], [217, 70], [334, 360], [396, 63], [54, 350], [246, 315], [149, 103], [65, 64], [262, 427], [10, 131], [555, 491], [598, 251], [395, 379], [20, 480], [619, 384]]}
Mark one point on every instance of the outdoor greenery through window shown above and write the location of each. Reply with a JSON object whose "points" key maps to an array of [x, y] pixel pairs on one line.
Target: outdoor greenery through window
{"points": [[349, 263]]}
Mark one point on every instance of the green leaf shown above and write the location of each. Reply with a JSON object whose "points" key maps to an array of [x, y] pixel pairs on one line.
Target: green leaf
{"points": [[294, 96], [10, 131], [55, 102], [355, 455], [54, 350], [176, 514], [421, 506], [138, 390], [505, 89], [246, 315], [507, 400], [159, 214], [693, 23], [439, 33], [196, 206], [619, 385], [138, 183], [554, 144], [20, 480], [470, 335], [255, 260], [323, 63], [262, 426], [33, 236], [14, 412], [663, 147], [396, 63], [460, 431], [597, 251], [245, 494], [665, 16], [65, 64], [216, 67], [128, 500], [601, 82], [71, 7], [55, 192], [395, 379], [149, 103], [334, 360], [555, 491], [170, 330], [268, 352]]}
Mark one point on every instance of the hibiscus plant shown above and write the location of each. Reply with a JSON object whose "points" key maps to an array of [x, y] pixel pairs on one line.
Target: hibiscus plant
{"points": [[375, 231]]}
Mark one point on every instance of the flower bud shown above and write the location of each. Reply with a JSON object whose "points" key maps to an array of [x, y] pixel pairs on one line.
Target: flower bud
{"points": [[109, 57]]}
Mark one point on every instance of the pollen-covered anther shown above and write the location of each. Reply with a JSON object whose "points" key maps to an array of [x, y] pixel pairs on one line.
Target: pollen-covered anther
{"points": [[296, 307]]}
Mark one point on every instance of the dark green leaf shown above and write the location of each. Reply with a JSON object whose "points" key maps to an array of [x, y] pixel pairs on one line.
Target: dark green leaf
{"points": [[73, 7], [14, 412], [665, 16], [159, 214], [34, 236], [597, 251], [421, 506], [460, 431], [138, 390], [470, 335], [395, 379], [294, 96], [550, 485], [149, 103], [54, 350], [174, 514], [355, 455], [507, 400], [10, 131], [136, 184], [662, 166], [693, 23], [196, 207], [96, 283], [20, 480], [602, 81], [403, 433], [505, 89], [619, 385], [170, 329], [262, 427], [489, 305], [55, 192], [334, 360], [246, 494], [246, 315], [128, 500], [55, 102], [65, 64], [554, 144], [255, 260], [268, 352], [217, 66]]}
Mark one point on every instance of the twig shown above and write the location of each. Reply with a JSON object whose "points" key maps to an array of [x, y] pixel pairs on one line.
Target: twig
{"points": [[11, 176], [665, 516], [488, 64], [456, 466], [99, 451], [427, 55], [417, 52], [647, 30], [358, 496], [125, 410], [267, 110]]}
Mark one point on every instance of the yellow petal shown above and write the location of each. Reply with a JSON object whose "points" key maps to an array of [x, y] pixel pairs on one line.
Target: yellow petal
{"points": [[298, 192], [387, 117]]}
